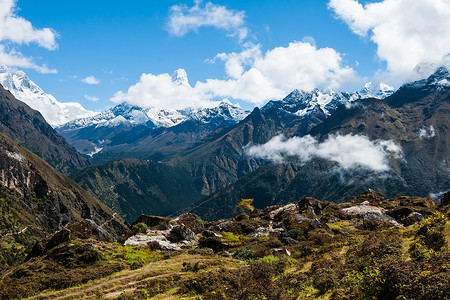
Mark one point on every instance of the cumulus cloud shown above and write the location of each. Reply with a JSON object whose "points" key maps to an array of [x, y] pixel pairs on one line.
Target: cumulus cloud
{"points": [[15, 30], [90, 80], [275, 73], [254, 77], [407, 33], [161, 91], [348, 151], [91, 98], [184, 19]]}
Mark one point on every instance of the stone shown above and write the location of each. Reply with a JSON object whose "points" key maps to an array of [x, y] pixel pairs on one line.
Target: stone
{"points": [[41, 247], [145, 240], [373, 220], [180, 233], [191, 221], [281, 251], [89, 229], [359, 210], [289, 241], [413, 218], [279, 211], [214, 243]]}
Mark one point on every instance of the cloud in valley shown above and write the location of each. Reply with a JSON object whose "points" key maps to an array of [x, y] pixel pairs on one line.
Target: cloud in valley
{"points": [[407, 33], [15, 30], [348, 151]]}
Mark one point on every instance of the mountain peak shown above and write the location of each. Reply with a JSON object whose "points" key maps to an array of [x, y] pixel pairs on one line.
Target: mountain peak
{"points": [[24, 89], [179, 77]]}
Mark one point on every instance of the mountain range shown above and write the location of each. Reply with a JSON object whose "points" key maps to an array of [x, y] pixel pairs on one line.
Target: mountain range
{"points": [[149, 160]]}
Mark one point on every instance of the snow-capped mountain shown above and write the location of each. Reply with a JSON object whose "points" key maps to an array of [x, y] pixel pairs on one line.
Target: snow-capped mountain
{"points": [[128, 115], [303, 103], [55, 113]]}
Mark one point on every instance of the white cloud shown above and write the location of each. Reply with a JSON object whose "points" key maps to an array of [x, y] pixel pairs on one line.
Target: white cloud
{"points": [[253, 77], [407, 33], [279, 71], [16, 59], [349, 151], [426, 132], [17, 30], [91, 98], [161, 92], [90, 80], [184, 19]]}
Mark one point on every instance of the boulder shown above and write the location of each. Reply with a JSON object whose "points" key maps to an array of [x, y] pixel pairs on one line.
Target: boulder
{"points": [[190, 221], [150, 241], [311, 206], [214, 243], [359, 210], [370, 196], [89, 229], [374, 220], [41, 247], [276, 214], [413, 218], [180, 233]]}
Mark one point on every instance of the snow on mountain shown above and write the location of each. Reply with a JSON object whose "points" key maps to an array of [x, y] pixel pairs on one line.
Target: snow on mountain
{"points": [[304, 103], [129, 115], [55, 113], [179, 77]]}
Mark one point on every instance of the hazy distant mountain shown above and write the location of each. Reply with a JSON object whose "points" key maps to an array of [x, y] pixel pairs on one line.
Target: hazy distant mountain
{"points": [[131, 129], [55, 113]]}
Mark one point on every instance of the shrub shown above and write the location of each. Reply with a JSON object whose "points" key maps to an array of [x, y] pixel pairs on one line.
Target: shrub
{"points": [[244, 254], [293, 233], [139, 228]]}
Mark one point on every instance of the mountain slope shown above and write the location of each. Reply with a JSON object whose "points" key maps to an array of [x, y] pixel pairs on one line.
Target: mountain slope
{"points": [[134, 187], [36, 200], [28, 128], [415, 117], [55, 113], [220, 159]]}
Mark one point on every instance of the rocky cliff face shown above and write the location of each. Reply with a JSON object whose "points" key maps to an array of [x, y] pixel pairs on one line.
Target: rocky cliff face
{"points": [[45, 199], [28, 128]]}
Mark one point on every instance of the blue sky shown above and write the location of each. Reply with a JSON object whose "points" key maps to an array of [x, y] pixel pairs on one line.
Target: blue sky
{"points": [[95, 49]]}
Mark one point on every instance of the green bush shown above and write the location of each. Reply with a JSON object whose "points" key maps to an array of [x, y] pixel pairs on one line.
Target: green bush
{"points": [[139, 228], [244, 254]]}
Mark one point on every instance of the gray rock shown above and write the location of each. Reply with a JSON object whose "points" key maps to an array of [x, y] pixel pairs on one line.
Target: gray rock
{"points": [[372, 220], [359, 210], [413, 218], [180, 233], [289, 241]]}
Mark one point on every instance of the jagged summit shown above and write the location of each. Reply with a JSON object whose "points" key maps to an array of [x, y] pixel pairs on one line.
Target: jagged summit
{"points": [[55, 113], [179, 77], [327, 101]]}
